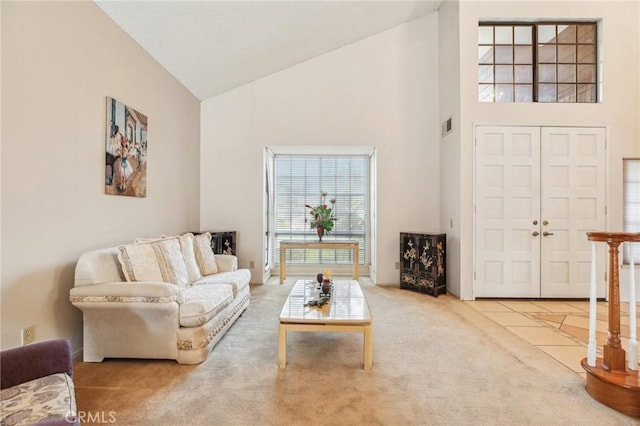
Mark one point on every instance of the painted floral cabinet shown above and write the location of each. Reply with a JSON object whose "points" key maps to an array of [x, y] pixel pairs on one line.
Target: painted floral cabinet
{"points": [[222, 242], [422, 263]]}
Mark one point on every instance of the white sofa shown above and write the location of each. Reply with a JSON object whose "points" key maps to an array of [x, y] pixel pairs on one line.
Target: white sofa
{"points": [[168, 298]]}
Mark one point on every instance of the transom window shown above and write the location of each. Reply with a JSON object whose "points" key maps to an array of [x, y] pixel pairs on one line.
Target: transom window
{"points": [[537, 62]]}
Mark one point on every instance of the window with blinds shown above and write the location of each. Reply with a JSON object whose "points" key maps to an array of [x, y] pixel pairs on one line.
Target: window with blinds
{"points": [[631, 205], [300, 180]]}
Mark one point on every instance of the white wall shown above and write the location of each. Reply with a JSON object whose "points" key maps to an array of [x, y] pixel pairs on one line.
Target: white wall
{"points": [[619, 112], [449, 63], [381, 91], [60, 60]]}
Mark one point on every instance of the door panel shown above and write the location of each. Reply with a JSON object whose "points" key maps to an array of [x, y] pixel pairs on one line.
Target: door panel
{"points": [[573, 197], [537, 192], [507, 180]]}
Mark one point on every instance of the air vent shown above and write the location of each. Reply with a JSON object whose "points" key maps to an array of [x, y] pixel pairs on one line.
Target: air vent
{"points": [[446, 127]]}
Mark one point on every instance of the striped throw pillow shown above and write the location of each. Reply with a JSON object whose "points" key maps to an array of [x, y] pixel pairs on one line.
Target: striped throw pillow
{"points": [[159, 261]]}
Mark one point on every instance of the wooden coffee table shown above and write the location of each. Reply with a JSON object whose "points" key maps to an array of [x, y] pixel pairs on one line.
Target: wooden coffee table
{"points": [[347, 312]]}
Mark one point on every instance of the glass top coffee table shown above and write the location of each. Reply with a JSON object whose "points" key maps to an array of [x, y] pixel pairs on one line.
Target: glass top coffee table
{"points": [[347, 311]]}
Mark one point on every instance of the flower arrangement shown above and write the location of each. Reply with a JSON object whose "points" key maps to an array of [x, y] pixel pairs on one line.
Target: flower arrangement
{"points": [[323, 217]]}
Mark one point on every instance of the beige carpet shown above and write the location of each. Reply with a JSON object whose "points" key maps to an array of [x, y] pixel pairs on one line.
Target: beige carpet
{"points": [[435, 362]]}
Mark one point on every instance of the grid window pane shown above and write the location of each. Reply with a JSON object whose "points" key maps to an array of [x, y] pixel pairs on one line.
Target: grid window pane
{"points": [[485, 54], [566, 73], [547, 53], [586, 93], [504, 35], [566, 33], [586, 33], [523, 74], [567, 54], [586, 74], [546, 93], [504, 93], [546, 33], [546, 73], [504, 74], [504, 55], [485, 93], [485, 73], [524, 93], [566, 92], [522, 35], [522, 55], [485, 35], [587, 53]]}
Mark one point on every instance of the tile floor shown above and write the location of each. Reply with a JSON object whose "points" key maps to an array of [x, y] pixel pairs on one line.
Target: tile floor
{"points": [[559, 328]]}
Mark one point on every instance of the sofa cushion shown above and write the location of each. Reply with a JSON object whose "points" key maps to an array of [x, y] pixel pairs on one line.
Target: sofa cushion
{"points": [[204, 254], [39, 400], [189, 254], [203, 302], [98, 266], [159, 260], [238, 279]]}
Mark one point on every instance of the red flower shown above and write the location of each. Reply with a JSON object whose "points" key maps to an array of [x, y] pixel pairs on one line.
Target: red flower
{"points": [[323, 215]]}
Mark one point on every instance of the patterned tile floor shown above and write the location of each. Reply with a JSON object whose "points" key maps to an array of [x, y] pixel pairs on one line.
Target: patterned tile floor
{"points": [[559, 328]]}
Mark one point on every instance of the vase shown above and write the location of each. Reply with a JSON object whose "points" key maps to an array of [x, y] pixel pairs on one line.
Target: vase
{"points": [[320, 231]]}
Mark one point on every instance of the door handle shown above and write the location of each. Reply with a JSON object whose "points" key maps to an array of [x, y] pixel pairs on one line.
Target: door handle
{"points": [[535, 233], [545, 233]]}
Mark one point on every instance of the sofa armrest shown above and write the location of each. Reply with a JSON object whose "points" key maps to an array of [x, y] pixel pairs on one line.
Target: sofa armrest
{"points": [[226, 262], [30, 362], [152, 292]]}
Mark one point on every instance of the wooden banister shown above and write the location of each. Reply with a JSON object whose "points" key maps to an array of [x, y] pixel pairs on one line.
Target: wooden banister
{"points": [[609, 380]]}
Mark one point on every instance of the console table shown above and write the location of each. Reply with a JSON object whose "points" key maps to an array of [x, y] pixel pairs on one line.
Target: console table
{"points": [[337, 244]]}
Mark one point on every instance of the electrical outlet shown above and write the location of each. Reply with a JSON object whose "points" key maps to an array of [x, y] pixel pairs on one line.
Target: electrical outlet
{"points": [[397, 265], [252, 264], [28, 334]]}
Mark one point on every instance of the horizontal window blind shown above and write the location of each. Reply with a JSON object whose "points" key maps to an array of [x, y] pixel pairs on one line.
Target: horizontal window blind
{"points": [[300, 180], [631, 205]]}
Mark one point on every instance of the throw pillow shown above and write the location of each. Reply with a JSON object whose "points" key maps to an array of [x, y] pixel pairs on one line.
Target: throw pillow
{"points": [[188, 251], [204, 254], [159, 260]]}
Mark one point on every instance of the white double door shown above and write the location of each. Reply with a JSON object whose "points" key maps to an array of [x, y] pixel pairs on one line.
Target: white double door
{"points": [[538, 191]]}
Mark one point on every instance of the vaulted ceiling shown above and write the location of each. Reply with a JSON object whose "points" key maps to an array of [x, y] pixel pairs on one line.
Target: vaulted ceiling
{"points": [[214, 46]]}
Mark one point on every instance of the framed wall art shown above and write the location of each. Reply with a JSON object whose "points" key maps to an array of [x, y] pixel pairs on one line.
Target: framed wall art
{"points": [[125, 151]]}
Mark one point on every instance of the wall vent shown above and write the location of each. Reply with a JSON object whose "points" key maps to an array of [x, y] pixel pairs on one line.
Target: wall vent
{"points": [[446, 127]]}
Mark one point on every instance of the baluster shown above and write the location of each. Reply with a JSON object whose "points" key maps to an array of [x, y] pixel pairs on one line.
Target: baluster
{"points": [[633, 343], [592, 347]]}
